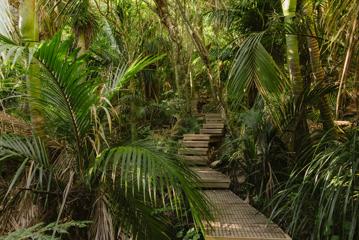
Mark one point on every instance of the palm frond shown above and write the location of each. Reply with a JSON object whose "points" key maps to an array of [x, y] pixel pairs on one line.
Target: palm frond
{"points": [[327, 185], [65, 96], [6, 24], [137, 219], [12, 51], [254, 65], [161, 179], [102, 226], [25, 150], [12, 124], [123, 73]]}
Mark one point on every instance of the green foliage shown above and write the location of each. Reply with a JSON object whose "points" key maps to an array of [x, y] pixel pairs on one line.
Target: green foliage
{"points": [[6, 27], [257, 159], [323, 195], [159, 177], [130, 181], [65, 95], [191, 234], [24, 150], [41, 231], [254, 66], [96, 103]]}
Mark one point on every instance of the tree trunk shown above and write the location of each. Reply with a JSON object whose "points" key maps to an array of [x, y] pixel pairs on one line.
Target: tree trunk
{"points": [[301, 131], [289, 11], [28, 21], [29, 29], [201, 49], [348, 57], [162, 11], [204, 55], [317, 69]]}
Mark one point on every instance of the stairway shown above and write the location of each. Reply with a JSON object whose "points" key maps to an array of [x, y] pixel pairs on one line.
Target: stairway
{"points": [[234, 219], [195, 152]]}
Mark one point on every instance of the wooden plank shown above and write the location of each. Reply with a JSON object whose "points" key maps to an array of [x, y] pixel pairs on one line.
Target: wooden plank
{"points": [[214, 121], [214, 118], [211, 131], [213, 125], [193, 151], [235, 219], [196, 137], [213, 115], [211, 179], [195, 144], [195, 160]]}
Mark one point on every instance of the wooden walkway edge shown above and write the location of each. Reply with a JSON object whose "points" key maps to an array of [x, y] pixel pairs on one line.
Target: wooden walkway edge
{"points": [[234, 219]]}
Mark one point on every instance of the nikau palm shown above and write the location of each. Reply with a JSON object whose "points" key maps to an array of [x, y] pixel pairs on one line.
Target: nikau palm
{"points": [[115, 187]]}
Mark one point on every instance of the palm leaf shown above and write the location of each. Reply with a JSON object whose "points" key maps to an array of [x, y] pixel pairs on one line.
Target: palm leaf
{"points": [[11, 51], [124, 73], [141, 169], [254, 65], [10, 46], [137, 219], [6, 24], [24, 150], [325, 188], [65, 96]]}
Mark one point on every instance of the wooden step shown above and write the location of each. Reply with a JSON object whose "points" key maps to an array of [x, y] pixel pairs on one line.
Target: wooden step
{"points": [[213, 115], [214, 118], [235, 219], [195, 144], [214, 121], [193, 151], [196, 137], [195, 160], [211, 131], [213, 125], [211, 179]]}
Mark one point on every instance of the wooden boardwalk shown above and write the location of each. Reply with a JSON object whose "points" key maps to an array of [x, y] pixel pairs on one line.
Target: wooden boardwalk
{"points": [[234, 219]]}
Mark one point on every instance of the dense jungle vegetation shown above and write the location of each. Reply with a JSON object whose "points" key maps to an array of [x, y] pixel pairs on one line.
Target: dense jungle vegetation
{"points": [[95, 94]]}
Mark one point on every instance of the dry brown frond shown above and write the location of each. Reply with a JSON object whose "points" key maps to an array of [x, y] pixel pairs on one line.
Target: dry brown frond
{"points": [[102, 226], [11, 124]]}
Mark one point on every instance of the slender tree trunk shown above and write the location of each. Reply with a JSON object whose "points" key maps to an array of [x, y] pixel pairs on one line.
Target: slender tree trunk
{"points": [[348, 57], [301, 132], [204, 55], [163, 12], [289, 12], [84, 29], [201, 48], [28, 21], [317, 69], [29, 29], [81, 43]]}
